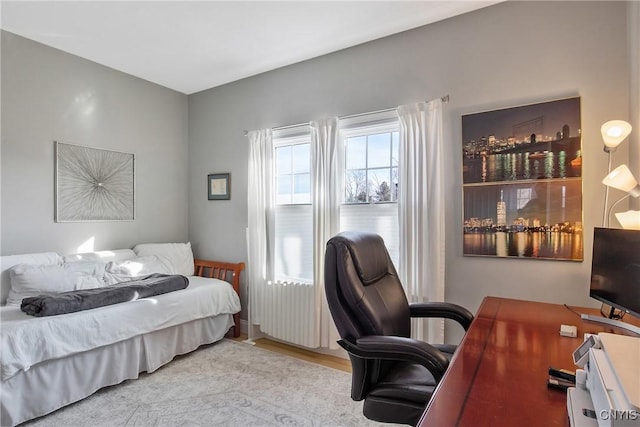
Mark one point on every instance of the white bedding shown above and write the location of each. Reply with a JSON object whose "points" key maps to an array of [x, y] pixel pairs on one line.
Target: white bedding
{"points": [[27, 341], [55, 383]]}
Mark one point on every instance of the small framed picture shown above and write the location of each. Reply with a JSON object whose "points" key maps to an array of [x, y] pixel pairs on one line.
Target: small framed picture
{"points": [[219, 185]]}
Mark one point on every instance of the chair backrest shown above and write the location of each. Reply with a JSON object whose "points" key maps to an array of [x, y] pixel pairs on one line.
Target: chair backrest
{"points": [[365, 297]]}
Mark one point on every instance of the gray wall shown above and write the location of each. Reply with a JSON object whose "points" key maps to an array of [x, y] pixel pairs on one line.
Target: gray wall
{"points": [[50, 95], [509, 54]]}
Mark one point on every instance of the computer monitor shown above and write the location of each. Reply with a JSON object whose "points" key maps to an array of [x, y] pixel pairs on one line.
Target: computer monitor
{"points": [[615, 269]]}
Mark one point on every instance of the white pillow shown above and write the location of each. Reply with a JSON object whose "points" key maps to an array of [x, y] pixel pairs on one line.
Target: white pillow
{"points": [[102, 256], [140, 266], [179, 255], [6, 262], [29, 280]]}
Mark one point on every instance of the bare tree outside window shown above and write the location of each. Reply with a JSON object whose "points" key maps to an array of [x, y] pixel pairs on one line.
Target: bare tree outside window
{"points": [[356, 186], [371, 174]]}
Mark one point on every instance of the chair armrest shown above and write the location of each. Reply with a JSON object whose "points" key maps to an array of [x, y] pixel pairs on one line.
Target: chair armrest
{"points": [[443, 310], [398, 348]]}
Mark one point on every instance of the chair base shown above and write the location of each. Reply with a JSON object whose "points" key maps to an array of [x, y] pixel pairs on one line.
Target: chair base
{"points": [[392, 411]]}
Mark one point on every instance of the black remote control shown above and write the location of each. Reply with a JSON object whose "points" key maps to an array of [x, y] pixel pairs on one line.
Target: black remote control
{"points": [[565, 374]]}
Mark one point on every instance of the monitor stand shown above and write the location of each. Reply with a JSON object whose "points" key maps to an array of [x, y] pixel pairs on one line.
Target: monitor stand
{"points": [[611, 322]]}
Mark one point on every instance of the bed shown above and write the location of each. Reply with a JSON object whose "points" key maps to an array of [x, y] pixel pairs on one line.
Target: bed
{"points": [[50, 362]]}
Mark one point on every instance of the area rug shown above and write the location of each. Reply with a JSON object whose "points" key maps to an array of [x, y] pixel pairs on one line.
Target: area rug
{"points": [[223, 384]]}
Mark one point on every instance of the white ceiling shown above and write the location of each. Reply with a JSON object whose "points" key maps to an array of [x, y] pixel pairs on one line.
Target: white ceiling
{"points": [[190, 46]]}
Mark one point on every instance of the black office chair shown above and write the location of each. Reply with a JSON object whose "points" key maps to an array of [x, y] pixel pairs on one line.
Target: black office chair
{"points": [[394, 374]]}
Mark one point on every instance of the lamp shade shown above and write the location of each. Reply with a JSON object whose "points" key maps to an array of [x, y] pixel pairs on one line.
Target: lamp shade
{"points": [[629, 220], [622, 179], [614, 132]]}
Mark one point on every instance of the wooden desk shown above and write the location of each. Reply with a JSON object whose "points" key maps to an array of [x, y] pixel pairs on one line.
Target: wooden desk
{"points": [[499, 375]]}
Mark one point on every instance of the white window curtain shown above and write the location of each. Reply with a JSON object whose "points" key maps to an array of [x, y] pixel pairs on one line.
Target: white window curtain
{"points": [[260, 220], [421, 211], [326, 173], [326, 176]]}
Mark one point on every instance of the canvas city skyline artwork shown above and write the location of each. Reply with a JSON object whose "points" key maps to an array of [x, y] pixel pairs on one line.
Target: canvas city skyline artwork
{"points": [[522, 181]]}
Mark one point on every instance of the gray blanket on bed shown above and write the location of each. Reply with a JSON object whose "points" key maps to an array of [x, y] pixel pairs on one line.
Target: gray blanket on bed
{"points": [[86, 299]]}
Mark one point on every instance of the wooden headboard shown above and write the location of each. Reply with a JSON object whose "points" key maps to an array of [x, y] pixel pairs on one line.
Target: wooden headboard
{"points": [[227, 271]]}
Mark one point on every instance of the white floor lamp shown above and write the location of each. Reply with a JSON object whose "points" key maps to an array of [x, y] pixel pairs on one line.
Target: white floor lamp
{"points": [[621, 178], [613, 133]]}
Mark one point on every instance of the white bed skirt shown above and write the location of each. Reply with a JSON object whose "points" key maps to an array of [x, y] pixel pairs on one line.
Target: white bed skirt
{"points": [[56, 383]]}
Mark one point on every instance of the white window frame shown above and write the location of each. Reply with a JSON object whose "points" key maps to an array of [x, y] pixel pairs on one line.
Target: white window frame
{"points": [[366, 129], [290, 141], [296, 269]]}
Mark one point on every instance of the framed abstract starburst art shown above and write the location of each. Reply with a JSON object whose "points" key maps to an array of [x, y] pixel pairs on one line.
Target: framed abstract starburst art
{"points": [[93, 184]]}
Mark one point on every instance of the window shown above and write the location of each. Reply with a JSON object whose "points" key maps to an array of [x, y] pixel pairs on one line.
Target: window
{"points": [[370, 194], [293, 167], [371, 166], [293, 214], [371, 181]]}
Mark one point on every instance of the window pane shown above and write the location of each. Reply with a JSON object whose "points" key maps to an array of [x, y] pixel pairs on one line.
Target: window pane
{"points": [[395, 148], [356, 186], [294, 243], [283, 160], [302, 188], [356, 152], [377, 218], [379, 185], [301, 159], [379, 154], [284, 189]]}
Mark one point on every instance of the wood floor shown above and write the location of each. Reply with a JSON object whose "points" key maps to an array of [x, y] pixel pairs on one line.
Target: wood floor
{"points": [[309, 356]]}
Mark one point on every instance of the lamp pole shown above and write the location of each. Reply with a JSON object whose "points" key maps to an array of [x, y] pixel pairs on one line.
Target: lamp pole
{"points": [[605, 211]]}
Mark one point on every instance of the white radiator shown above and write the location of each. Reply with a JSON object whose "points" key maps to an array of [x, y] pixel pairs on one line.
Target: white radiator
{"points": [[289, 313]]}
